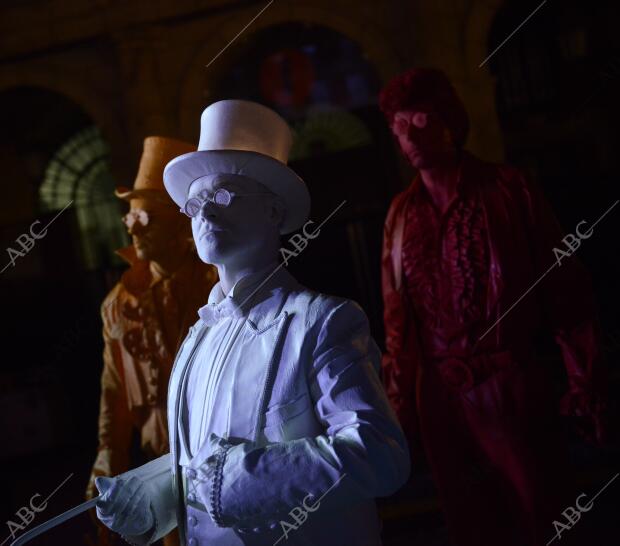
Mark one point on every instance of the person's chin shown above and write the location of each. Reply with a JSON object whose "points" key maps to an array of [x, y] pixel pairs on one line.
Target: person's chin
{"points": [[212, 252], [422, 161]]}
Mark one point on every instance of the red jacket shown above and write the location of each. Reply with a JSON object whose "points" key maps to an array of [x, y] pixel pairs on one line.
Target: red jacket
{"points": [[522, 232]]}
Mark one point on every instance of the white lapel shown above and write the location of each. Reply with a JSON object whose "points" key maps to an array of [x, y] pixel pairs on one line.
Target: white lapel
{"points": [[179, 369]]}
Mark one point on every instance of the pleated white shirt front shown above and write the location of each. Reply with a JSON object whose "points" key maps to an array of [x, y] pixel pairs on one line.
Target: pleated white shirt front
{"points": [[210, 372]]}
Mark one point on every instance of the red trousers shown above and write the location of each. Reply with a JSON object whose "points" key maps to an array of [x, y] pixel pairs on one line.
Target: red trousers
{"points": [[497, 456]]}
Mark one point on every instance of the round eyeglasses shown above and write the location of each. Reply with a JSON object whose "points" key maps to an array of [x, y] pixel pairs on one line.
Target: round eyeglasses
{"points": [[221, 197], [419, 120], [137, 215]]}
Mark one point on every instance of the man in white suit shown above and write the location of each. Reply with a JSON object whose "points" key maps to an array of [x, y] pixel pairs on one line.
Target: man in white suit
{"points": [[279, 426]]}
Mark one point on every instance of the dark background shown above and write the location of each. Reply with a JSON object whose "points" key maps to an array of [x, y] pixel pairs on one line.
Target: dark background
{"points": [[83, 82]]}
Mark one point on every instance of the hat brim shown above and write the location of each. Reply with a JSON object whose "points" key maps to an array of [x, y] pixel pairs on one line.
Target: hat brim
{"points": [[123, 192], [275, 175]]}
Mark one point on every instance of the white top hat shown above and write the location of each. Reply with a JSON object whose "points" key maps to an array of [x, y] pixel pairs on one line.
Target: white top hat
{"points": [[246, 138]]}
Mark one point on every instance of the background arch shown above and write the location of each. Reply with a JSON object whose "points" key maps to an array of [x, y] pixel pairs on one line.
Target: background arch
{"points": [[192, 93]]}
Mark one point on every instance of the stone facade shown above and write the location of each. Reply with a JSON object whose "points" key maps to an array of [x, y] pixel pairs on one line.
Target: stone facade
{"points": [[139, 68]]}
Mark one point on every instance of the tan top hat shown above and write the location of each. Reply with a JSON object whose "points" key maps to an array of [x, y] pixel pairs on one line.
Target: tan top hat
{"points": [[246, 138], [157, 152]]}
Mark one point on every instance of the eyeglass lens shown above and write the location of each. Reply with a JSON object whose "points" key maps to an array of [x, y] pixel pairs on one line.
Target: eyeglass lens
{"points": [[221, 197], [134, 216]]}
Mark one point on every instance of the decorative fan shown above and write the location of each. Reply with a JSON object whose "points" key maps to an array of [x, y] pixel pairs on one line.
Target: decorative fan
{"points": [[327, 131]]}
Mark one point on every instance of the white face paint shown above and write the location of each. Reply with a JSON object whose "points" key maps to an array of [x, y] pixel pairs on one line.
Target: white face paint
{"points": [[235, 235]]}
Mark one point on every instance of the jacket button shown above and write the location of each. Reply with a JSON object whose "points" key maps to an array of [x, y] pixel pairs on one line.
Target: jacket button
{"points": [[257, 529], [191, 497], [153, 380], [150, 398], [192, 521], [191, 473], [192, 542], [273, 525]]}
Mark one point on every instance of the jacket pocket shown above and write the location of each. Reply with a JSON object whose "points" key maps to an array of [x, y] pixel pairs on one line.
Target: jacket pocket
{"points": [[280, 413], [291, 420]]}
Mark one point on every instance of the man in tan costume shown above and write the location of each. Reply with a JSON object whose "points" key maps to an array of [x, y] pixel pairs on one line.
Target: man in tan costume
{"points": [[145, 318]]}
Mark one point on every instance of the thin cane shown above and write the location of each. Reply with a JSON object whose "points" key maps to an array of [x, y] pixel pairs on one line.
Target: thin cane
{"points": [[76, 510]]}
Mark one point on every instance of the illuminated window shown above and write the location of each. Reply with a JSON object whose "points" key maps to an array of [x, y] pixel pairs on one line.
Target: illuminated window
{"points": [[80, 171]]}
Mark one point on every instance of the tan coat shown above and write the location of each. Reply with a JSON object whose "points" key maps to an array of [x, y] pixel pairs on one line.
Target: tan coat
{"points": [[145, 318]]}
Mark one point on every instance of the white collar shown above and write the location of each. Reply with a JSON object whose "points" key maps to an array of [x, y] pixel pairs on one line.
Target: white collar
{"points": [[220, 305]]}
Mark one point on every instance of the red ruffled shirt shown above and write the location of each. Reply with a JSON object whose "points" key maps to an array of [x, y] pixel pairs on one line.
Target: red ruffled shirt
{"points": [[445, 265]]}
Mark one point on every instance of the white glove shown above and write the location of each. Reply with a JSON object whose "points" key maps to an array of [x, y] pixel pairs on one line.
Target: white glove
{"points": [[124, 506]]}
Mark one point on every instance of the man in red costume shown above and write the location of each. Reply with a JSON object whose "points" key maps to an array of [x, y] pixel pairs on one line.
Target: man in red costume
{"points": [[462, 244]]}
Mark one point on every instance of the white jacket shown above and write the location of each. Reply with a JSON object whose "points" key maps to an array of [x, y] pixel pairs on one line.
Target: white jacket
{"points": [[309, 420]]}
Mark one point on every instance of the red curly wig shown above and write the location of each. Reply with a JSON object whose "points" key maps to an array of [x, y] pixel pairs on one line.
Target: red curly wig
{"points": [[429, 87]]}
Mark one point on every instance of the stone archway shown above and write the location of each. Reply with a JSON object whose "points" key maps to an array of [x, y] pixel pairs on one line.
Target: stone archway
{"points": [[40, 120], [192, 95], [383, 51], [79, 91], [55, 158]]}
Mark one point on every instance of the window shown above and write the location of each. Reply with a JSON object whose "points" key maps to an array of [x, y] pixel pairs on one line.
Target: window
{"points": [[80, 171]]}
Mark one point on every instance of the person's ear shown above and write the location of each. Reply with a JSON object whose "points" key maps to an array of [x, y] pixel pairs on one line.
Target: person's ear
{"points": [[391, 124], [276, 210]]}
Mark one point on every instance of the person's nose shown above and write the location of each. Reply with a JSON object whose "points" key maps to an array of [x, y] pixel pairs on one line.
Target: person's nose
{"points": [[413, 132], [207, 210], [136, 228]]}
